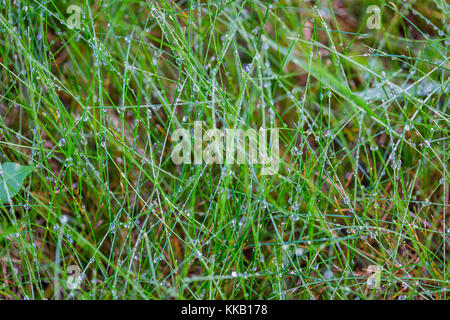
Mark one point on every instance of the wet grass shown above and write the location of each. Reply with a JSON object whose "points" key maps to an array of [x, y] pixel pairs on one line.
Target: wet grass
{"points": [[357, 210]]}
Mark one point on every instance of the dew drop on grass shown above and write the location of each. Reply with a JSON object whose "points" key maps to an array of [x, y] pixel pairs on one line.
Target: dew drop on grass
{"points": [[328, 275], [426, 203], [299, 252], [64, 219]]}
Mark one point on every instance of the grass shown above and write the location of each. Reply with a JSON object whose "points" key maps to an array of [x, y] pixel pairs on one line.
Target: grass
{"points": [[358, 209]]}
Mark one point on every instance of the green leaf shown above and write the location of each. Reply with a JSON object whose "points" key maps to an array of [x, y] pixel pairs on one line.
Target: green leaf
{"points": [[12, 176]]}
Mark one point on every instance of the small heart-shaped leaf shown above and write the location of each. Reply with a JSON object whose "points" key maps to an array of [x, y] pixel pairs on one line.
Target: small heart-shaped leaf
{"points": [[11, 179]]}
